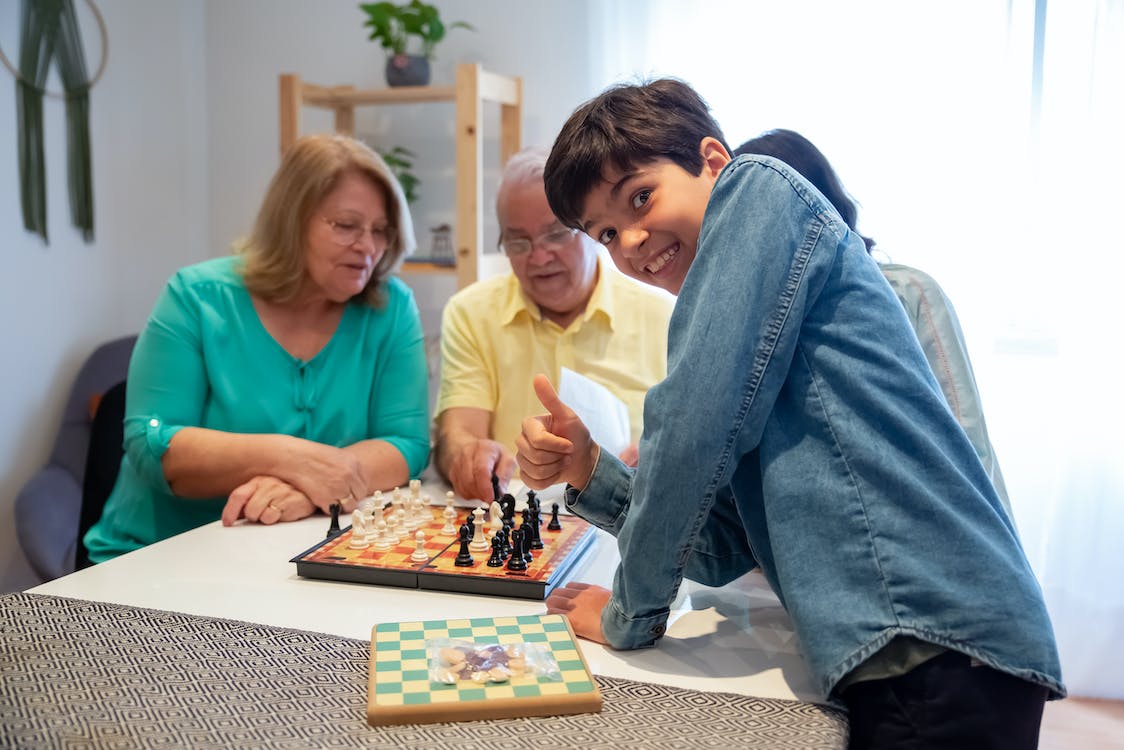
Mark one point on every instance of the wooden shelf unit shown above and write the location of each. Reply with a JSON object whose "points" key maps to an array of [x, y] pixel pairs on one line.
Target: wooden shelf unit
{"points": [[473, 87]]}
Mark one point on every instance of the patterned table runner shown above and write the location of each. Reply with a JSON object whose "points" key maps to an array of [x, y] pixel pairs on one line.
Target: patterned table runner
{"points": [[81, 674]]}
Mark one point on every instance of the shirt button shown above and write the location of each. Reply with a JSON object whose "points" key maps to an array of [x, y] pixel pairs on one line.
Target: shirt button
{"points": [[154, 423], [659, 630]]}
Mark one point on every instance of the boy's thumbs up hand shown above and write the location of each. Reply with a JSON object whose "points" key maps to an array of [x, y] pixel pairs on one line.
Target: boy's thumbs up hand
{"points": [[554, 447]]}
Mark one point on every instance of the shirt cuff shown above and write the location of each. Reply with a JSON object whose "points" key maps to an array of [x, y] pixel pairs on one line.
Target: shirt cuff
{"points": [[623, 632], [604, 500]]}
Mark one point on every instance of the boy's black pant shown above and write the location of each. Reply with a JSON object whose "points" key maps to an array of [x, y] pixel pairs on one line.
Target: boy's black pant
{"points": [[946, 703]]}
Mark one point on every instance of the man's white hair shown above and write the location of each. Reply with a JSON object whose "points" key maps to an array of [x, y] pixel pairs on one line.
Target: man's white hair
{"points": [[524, 167]]}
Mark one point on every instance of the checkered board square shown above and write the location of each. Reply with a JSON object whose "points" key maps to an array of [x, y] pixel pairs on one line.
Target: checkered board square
{"points": [[334, 559], [400, 690]]}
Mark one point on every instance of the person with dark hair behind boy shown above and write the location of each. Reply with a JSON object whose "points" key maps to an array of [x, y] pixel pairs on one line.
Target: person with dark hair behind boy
{"points": [[820, 449], [929, 310]]}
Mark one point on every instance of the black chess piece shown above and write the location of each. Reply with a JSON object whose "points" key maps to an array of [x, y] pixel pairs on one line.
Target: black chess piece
{"points": [[496, 560], [536, 533], [525, 533], [516, 561], [464, 557], [495, 488], [505, 540], [334, 526], [507, 504], [532, 500], [554, 525], [470, 522]]}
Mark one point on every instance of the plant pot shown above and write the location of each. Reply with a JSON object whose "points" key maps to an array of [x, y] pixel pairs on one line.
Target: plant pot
{"points": [[407, 70]]}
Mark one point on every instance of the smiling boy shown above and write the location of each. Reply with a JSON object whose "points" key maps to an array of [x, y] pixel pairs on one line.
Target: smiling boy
{"points": [[799, 429]]}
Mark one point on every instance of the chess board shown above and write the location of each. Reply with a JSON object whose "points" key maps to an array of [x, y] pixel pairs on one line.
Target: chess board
{"points": [[400, 689], [334, 559]]}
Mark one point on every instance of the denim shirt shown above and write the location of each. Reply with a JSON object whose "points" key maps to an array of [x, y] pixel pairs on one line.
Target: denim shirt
{"points": [[800, 428]]}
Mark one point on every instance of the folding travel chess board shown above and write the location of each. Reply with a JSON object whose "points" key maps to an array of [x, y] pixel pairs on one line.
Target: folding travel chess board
{"points": [[401, 689], [335, 559]]}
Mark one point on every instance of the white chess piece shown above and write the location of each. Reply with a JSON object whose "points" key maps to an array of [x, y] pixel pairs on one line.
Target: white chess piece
{"points": [[450, 516], [419, 554], [415, 487], [372, 530], [479, 541], [382, 541], [391, 522], [358, 530], [495, 518]]}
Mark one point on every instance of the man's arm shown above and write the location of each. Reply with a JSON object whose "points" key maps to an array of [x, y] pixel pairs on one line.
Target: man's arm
{"points": [[467, 456]]}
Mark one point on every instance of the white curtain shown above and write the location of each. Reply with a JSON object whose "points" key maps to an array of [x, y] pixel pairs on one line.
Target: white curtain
{"points": [[984, 140]]}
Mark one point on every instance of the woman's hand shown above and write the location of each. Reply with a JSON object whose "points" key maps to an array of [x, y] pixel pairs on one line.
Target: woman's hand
{"points": [[325, 474], [266, 500]]}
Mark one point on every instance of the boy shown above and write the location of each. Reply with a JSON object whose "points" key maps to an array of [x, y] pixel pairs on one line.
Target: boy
{"points": [[799, 429]]}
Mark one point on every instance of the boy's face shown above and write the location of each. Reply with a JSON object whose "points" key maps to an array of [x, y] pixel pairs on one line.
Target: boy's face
{"points": [[650, 216]]}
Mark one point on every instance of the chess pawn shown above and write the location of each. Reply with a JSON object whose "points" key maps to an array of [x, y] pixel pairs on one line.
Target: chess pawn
{"points": [[382, 537], [425, 515], [400, 523], [419, 554], [392, 537], [464, 557], [554, 525], [358, 530], [480, 539], [410, 519], [496, 560], [450, 516]]}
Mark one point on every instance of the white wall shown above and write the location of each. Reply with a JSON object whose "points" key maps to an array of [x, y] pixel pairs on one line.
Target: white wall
{"points": [[544, 42], [184, 137], [58, 301]]}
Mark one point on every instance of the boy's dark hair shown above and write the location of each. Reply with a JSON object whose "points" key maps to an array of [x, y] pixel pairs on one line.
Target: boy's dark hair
{"points": [[802, 155], [624, 126]]}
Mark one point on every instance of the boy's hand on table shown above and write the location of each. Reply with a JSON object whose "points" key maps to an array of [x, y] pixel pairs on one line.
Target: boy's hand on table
{"points": [[582, 603], [556, 447]]}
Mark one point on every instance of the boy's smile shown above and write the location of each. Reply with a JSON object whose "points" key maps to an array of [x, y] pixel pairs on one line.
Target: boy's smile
{"points": [[649, 216]]}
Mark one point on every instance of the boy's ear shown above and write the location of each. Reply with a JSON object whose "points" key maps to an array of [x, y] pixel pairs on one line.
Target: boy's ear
{"points": [[714, 154]]}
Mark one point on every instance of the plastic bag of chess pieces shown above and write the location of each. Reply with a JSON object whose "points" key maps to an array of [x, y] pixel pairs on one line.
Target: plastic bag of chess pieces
{"points": [[452, 661]]}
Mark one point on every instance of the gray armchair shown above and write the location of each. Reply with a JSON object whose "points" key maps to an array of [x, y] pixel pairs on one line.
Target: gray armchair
{"points": [[49, 505]]}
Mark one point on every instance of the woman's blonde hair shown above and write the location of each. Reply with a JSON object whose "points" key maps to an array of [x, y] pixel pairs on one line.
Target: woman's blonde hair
{"points": [[273, 258]]}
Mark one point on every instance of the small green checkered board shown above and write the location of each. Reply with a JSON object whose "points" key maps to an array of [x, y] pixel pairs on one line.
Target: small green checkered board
{"points": [[400, 690]]}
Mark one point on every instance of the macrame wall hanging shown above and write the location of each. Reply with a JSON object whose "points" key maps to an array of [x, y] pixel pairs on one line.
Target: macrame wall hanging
{"points": [[49, 31]]}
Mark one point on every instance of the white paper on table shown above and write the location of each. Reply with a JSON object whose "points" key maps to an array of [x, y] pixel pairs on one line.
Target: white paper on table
{"points": [[603, 413]]}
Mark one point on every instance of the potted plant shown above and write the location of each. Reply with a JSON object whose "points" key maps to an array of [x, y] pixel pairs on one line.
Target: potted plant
{"points": [[401, 163], [393, 25]]}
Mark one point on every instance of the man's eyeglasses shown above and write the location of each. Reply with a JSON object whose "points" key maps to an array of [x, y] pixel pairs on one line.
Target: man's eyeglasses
{"points": [[347, 233], [554, 240]]}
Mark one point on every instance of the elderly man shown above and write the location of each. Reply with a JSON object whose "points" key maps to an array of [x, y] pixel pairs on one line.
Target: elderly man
{"points": [[561, 306]]}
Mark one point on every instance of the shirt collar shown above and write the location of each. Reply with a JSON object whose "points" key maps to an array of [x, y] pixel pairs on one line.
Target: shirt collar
{"points": [[600, 302]]}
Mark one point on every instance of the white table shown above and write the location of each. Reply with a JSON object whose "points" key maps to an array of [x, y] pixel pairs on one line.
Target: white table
{"points": [[735, 639]]}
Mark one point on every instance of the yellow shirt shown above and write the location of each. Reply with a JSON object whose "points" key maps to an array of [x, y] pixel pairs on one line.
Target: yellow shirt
{"points": [[494, 340]]}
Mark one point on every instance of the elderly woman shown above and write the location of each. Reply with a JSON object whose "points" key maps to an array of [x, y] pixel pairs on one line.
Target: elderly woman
{"points": [[290, 376]]}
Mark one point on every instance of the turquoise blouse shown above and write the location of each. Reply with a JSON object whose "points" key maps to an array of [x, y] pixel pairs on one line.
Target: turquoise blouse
{"points": [[204, 359]]}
